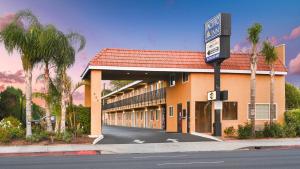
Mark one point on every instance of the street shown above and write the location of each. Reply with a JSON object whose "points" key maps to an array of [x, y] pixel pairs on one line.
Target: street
{"points": [[231, 159], [131, 135]]}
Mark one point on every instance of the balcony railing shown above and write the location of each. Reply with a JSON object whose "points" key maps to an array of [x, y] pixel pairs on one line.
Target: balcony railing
{"points": [[149, 98]]}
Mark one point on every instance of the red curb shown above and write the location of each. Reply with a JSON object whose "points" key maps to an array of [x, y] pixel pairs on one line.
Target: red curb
{"points": [[55, 153]]}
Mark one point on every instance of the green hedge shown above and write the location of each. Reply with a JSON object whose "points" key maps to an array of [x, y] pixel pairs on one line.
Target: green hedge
{"points": [[83, 117], [292, 120]]}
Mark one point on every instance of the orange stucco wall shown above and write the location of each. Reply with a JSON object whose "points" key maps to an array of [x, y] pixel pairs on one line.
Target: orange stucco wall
{"points": [[238, 86], [195, 90], [180, 93]]}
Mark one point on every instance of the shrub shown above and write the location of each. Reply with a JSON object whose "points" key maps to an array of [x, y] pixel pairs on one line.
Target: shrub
{"points": [[83, 117], [244, 131], [13, 126], [259, 134], [292, 120], [66, 137], [5, 136], [230, 131], [289, 131], [38, 136], [273, 130]]}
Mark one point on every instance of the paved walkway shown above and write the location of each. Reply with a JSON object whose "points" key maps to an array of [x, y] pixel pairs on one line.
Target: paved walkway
{"points": [[156, 147], [130, 135]]}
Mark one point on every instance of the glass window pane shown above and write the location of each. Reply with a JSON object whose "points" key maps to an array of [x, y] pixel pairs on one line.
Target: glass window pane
{"points": [[262, 111], [230, 110]]}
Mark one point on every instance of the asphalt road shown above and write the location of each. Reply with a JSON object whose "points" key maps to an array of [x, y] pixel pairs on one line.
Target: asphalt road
{"points": [[130, 135], [259, 159]]}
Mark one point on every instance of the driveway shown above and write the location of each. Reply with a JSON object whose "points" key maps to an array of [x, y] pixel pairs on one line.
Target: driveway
{"points": [[128, 135]]}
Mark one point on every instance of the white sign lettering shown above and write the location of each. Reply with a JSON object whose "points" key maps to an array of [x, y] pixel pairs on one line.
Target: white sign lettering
{"points": [[212, 48]]}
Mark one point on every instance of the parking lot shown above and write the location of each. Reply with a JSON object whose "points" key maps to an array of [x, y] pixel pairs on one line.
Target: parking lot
{"points": [[128, 135]]}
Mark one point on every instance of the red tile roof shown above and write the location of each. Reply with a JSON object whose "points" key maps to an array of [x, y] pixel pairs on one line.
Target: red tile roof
{"points": [[174, 59]]}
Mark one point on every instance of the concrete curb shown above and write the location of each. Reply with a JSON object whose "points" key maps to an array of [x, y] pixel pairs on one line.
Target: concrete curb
{"points": [[55, 153]]}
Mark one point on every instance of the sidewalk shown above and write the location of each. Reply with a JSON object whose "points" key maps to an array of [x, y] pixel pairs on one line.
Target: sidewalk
{"points": [[151, 147]]}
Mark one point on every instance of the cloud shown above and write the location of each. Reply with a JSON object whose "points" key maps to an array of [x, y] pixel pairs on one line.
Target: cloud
{"points": [[295, 33], [6, 19], [294, 65], [241, 47], [274, 40], [17, 77]]}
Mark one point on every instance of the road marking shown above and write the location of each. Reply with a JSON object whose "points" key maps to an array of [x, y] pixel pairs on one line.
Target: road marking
{"points": [[196, 162], [138, 141], [172, 140], [142, 157]]}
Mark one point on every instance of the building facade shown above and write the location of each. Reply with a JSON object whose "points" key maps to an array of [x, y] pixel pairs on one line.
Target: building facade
{"points": [[139, 104], [170, 91]]}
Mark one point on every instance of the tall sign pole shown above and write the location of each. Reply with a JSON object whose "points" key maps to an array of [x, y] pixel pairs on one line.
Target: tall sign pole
{"points": [[217, 48]]}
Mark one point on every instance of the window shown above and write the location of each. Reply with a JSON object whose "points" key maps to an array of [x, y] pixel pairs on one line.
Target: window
{"points": [[230, 111], [185, 77], [262, 111], [172, 80], [142, 113], [171, 111], [157, 115]]}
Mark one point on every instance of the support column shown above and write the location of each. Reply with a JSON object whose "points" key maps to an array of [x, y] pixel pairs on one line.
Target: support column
{"points": [[133, 119], [123, 117], [96, 110], [146, 118], [87, 94], [116, 118]]}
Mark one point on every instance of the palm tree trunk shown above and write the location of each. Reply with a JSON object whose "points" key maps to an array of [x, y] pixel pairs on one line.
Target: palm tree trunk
{"points": [[253, 89], [57, 126], [47, 106], [28, 93], [63, 106], [272, 93]]}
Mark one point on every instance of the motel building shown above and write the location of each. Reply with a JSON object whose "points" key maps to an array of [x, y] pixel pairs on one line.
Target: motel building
{"points": [[170, 89]]}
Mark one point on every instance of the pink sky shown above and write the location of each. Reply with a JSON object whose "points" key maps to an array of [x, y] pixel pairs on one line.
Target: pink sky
{"points": [[11, 72]]}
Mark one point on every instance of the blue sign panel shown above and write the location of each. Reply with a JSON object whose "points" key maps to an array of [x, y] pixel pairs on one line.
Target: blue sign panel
{"points": [[213, 28], [212, 50]]}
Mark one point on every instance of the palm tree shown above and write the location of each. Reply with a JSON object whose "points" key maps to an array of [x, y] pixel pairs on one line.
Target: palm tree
{"points": [[51, 98], [65, 61], [253, 37], [23, 37], [71, 88], [49, 41], [271, 57]]}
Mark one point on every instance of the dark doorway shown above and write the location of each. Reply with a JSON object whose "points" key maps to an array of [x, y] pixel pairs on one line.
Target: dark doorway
{"points": [[164, 119], [203, 117], [179, 118], [188, 116]]}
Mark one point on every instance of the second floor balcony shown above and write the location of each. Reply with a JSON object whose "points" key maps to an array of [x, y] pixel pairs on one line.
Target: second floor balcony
{"points": [[151, 98]]}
